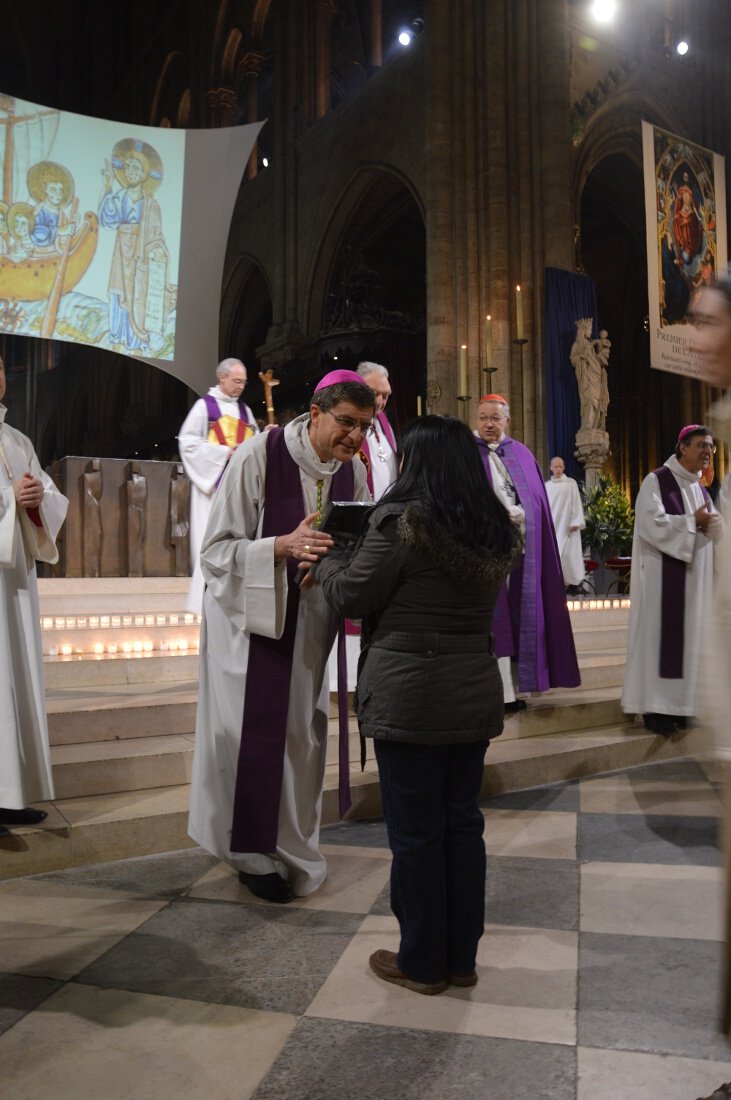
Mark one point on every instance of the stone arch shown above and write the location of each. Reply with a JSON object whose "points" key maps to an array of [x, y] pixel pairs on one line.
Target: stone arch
{"points": [[246, 309], [258, 20], [172, 85], [366, 297], [616, 128], [371, 187]]}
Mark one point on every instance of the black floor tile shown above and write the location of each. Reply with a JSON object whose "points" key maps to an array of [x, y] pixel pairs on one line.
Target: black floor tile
{"points": [[159, 876], [266, 957], [651, 838], [559, 796], [20, 994], [365, 834], [330, 1060], [650, 994], [536, 893]]}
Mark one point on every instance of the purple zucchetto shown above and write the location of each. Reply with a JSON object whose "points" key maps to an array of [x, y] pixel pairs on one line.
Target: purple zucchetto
{"points": [[687, 430], [336, 376]]}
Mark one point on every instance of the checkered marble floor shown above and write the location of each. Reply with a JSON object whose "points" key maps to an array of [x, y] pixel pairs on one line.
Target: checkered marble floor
{"points": [[161, 979]]}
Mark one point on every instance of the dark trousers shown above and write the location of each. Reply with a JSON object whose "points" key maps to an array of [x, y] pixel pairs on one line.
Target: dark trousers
{"points": [[435, 828]]}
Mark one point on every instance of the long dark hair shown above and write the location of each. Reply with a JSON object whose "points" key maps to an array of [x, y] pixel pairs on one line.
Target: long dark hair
{"points": [[442, 473]]}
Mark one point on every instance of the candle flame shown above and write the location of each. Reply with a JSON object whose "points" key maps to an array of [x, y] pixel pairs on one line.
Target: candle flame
{"points": [[518, 287], [464, 347]]}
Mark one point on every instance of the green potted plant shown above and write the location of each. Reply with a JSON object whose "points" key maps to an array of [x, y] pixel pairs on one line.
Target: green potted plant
{"points": [[609, 525]]}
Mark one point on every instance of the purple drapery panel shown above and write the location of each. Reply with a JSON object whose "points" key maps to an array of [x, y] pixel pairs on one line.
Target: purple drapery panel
{"points": [[569, 296]]}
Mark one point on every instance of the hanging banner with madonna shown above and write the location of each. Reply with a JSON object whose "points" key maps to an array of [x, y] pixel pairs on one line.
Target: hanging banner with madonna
{"points": [[685, 209]]}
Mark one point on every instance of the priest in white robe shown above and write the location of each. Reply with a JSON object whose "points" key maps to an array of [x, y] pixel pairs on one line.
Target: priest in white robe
{"points": [[31, 513], [671, 586], [380, 449], [256, 807], [568, 522], [216, 425]]}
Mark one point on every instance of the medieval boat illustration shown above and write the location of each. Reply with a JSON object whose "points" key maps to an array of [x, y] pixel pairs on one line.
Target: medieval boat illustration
{"points": [[45, 247]]}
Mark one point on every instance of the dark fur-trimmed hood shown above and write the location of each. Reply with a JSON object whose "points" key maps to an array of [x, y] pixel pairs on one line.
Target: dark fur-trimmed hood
{"points": [[453, 557]]}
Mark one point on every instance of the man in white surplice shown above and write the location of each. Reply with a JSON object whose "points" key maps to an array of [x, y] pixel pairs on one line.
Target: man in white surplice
{"points": [[31, 513], [246, 593], [671, 586], [209, 436], [568, 521]]}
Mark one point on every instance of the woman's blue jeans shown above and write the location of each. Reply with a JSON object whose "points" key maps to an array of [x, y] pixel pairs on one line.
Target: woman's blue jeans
{"points": [[435, 828]]}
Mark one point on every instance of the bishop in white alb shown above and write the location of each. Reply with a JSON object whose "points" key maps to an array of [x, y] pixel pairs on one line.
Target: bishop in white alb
{"points": [[657, 533], [204, 463], [26, 536], [246, 592]]}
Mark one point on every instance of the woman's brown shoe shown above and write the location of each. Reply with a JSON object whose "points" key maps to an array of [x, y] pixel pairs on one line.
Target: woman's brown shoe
{"points": [[464, 981], [383, 964]]}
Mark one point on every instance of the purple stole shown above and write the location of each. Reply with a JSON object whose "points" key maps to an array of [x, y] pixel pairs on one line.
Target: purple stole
{"points": [[269, 670], [214, 415], [531, 618], [672, 600], [387, 430], [214, 409]]}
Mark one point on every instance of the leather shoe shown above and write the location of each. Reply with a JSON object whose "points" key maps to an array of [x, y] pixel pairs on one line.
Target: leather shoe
{"points": [[464, 980], [660, 723], [268, 887], [383, 964], [517, 704], [28, 816]]}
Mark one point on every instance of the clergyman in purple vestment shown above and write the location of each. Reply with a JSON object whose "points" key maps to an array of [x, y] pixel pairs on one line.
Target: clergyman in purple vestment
{"points": [[263, 704], [531, 625]]}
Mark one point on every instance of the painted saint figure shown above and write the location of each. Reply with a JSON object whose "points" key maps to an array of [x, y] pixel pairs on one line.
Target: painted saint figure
{"points": [[139, 246], [52, 187], [21, 223], [687, 223]]}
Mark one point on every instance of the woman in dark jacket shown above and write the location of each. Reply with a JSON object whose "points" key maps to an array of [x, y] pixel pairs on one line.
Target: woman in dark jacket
{"points": [[424, 578]]}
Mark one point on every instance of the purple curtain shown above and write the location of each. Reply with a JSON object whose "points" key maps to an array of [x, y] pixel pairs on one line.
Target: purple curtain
{"points": [[568, 297]]}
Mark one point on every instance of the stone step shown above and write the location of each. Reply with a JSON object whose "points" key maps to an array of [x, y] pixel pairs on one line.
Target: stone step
{"points": [[84, 715], [134, 764], [111, 595], [119, 670], [143, 759], [114, 670], [593, 617], [95, 829], [600, 637]]}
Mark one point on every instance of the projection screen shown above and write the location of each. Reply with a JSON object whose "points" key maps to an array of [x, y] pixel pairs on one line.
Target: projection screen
{"points": [[114, 235]]}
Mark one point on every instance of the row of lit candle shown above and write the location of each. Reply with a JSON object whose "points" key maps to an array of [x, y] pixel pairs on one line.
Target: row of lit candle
{"points": [[124, 649], [519, 336], [598, 605], [106, 622]]}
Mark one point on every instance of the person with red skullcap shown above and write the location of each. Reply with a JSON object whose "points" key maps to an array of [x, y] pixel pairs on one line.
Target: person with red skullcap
{"points": [[531, 623], [256, 788], [671, 585]]}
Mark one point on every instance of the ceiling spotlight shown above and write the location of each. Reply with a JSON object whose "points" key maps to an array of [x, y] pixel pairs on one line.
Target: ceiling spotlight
{"points": [[682, 47], [405, 38], [604, 10], [265, 162]]}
